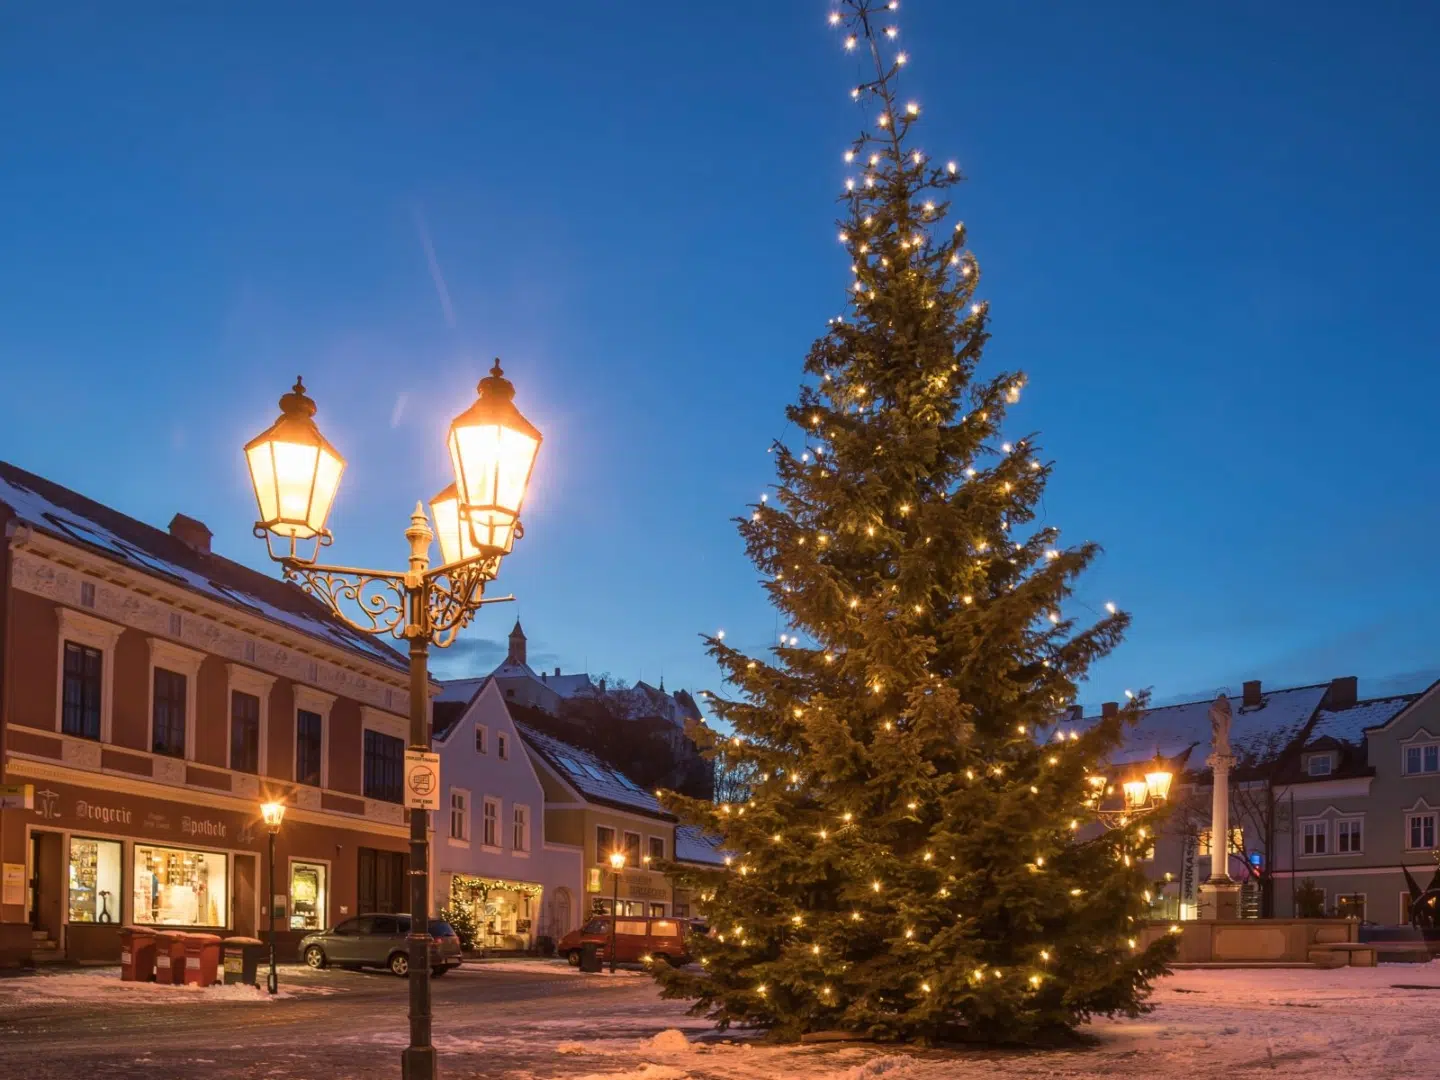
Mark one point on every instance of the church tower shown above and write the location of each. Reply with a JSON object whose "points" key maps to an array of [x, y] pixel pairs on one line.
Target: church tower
{"points": [[517, 646]]}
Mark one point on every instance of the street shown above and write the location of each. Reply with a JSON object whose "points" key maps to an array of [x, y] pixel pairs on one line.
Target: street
{"points": [[532, 1020], [489, 1020]]}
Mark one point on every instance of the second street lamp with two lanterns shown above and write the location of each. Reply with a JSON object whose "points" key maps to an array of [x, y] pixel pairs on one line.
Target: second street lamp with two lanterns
{"points": [[296, 475]]}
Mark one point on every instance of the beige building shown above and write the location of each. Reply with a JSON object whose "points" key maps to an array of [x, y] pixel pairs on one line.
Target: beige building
{"points": [[593, 807]]}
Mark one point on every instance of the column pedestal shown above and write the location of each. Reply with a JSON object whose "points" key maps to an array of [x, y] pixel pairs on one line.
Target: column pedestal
{"points": [[1219, 900]]}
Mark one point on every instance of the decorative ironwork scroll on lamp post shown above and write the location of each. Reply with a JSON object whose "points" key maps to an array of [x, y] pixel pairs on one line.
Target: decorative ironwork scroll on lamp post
{"points": [[296, 474]]}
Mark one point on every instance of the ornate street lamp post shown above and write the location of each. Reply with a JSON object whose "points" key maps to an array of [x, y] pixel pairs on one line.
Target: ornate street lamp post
{"points": [[617, 863], [273, 813], [1141, 794], [296, 474]]}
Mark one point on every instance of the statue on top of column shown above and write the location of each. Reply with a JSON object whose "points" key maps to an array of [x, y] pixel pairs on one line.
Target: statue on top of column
{"points": [[1220, 717]]}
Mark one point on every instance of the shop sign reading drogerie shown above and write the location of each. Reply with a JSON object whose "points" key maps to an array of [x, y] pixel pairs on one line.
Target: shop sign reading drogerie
{"points": [[422, 780]]}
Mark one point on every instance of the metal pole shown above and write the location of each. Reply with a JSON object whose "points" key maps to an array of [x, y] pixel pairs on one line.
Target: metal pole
{"points": [[273, 984], [417, 1061], [614, 915]]}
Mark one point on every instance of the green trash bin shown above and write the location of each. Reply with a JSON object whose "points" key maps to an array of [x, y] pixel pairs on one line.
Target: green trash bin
{"points": [[243, 957]]}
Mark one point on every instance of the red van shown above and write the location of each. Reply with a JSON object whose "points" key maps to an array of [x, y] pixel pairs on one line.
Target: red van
{"points": [[636, 937]]}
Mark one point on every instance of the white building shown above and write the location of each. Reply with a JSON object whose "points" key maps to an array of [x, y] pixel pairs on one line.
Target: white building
{"points": [[491, 855]]}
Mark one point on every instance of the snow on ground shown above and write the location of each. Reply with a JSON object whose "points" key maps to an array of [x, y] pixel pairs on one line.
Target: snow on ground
{"points": [[1351, 1022], [103, 985], [551, 967]]}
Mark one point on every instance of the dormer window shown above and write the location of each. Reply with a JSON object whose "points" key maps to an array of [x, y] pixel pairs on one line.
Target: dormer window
{"points": [[1320, 764]]}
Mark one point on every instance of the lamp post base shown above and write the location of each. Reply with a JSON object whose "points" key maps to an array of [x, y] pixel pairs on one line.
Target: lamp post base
{"points": [[418, 1063], [1219, 900]]}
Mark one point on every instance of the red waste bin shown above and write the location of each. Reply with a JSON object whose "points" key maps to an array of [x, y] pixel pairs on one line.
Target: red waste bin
{"points": [[170, 956], [137, 954], [202, 959]]}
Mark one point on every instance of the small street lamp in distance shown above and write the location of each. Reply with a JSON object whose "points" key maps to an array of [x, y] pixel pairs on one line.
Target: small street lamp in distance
{"points": [[296, 474], [273, 814], [617, 863]]}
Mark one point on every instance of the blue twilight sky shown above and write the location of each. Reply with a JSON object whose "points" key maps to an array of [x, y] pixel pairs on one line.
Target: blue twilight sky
{"points": [[1207, 230]]}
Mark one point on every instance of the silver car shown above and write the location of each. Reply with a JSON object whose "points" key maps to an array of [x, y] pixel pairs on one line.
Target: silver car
{"points": [[380, 941]]}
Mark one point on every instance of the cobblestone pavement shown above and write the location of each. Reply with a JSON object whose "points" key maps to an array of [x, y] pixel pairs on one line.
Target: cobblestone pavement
{"points": [[330, 1024]]}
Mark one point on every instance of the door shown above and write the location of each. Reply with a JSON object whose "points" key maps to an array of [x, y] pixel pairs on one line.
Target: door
{"points": [[47, 883], [387, 936], [381, 887], [344, 944], [242, 898], [561, 907]]}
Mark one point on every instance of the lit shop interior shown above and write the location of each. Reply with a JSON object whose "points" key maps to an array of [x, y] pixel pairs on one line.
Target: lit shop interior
{"points": [[504, 911]]}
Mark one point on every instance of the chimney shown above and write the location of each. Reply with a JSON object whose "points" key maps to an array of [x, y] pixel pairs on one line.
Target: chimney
{"points": [[1110, 708], [1251, 694], [1342, 693], [557, 672], [193, 534], [1075, 714]]}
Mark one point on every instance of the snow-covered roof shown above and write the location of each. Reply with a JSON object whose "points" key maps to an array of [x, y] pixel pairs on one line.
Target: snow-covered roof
{"points": [[1348, 725], [595, 780], [568, 685], [459, 689], [693, 845], [71, 517], [1172, 729]]}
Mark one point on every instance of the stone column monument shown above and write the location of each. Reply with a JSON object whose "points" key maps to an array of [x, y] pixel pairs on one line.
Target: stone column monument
{"points": [[1219, 895]]}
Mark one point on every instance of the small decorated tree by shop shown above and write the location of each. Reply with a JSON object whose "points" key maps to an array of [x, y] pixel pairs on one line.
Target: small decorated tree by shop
{"points": [[913, 858]]}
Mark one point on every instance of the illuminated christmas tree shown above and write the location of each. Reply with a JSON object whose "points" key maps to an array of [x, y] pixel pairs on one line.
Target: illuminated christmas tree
{"points": [[915, 859]]}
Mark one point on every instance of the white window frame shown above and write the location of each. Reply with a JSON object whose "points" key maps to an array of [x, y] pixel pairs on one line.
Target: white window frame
{"points": [[1420, 741], [646, 858], [482, 739], [258, 684], [316, 701], [96, 634], [463, 840], [520, 829], [1421, 812], [486, 818], [502, 746], [177, 658], [1327, 757], [1350, 819], [1317, 827], [625, 834]]}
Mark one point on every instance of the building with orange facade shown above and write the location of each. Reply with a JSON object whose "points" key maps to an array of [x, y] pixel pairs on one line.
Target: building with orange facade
{"points": [[152, 695]]}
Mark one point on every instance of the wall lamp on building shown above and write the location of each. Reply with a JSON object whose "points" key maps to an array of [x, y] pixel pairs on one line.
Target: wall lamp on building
{"points": [[296, 472], [273, 814]]}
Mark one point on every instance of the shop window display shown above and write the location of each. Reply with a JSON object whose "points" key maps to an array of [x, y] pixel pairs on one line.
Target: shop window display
{"points": [[94, 880], [307, 896], [174, 887]]}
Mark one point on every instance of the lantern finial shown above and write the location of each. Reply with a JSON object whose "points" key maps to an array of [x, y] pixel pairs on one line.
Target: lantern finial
{"points": [[496, 385]]}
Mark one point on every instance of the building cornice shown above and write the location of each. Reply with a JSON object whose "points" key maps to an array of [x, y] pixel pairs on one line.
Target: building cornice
{"points": [[49, 568]]}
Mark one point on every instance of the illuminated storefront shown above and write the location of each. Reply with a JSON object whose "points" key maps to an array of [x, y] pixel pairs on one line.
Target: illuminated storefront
{"points": [[504, 911], [308, 894], [102, 859], [174, 887]]}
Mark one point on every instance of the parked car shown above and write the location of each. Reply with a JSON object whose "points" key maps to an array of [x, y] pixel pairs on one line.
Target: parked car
{"points": [[636, 937], [379, 941]]}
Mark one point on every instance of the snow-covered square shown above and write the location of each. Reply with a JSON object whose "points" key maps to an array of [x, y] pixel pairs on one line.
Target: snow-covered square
{"points": [[538, 1021]]}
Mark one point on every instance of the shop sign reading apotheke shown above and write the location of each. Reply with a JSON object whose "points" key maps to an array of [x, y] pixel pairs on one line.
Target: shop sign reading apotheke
{"points": [[105, 811]]}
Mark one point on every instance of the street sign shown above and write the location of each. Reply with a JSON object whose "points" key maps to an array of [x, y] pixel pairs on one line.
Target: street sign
{"points": [[422, 780], [17, 796]]}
